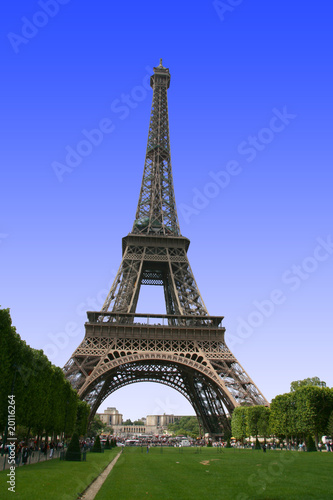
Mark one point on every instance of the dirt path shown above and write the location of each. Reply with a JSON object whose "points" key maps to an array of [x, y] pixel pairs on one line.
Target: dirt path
{"points": [[94, 488]]}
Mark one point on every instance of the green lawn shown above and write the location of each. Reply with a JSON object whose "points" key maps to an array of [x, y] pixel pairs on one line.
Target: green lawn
{"points": [[181, 474], [55, 479], [230, 474]]}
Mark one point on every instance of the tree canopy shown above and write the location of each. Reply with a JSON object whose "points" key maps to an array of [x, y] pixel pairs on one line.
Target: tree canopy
{"points": [[249, 421], [315, 381], [330, 425], [239, 426], [187, 426], [128, 422], [303, 412], [96, 426], [45, 401]]}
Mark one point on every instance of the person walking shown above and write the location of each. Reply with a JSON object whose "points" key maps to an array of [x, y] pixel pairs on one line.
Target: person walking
{"points": [[25, 454], [17, 454]]}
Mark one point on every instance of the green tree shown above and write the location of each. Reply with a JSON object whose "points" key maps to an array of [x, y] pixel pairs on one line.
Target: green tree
{"points": [[254, 414], [330, 425], [313, 408], [138, 422], [258, 422], [304, 412], [315, 381], [96, 426], [188, 426], [128, 422], [45, 400], [282, 416], [239, 426], [50, 406], [263, 423], [82, 415], [68, 400], [10, 359]]}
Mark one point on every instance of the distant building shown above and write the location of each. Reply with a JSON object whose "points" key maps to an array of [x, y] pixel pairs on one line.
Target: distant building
{"points": [[111, 417], [153, 424], [161, 421]]}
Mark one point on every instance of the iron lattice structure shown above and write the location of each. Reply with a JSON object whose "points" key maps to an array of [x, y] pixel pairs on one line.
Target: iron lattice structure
{"points": [[185, 348]]}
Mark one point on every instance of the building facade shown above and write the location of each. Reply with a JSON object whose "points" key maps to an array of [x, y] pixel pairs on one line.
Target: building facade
{"points": [[152, 424], [111, 417]]}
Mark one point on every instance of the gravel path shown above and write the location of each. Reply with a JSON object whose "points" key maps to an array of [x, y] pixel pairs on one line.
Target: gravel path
{"points": [[94, 488]]}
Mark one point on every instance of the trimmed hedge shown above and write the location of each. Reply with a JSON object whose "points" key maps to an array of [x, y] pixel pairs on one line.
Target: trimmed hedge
{"points": [[97, 448], [73, 452]]}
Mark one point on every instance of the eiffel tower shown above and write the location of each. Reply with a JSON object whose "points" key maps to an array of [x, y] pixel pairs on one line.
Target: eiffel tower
{"points": [[185, 348]]}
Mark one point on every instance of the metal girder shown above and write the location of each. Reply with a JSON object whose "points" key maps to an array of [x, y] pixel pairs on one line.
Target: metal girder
{"points": [[173, 269], [199, 364], [156, 212], [186, 349]]}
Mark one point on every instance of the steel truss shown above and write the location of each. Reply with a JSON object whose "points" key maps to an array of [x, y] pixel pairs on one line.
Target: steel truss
{"points": [[186, 349]]}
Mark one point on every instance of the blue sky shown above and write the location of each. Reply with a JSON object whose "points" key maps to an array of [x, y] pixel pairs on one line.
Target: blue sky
{"points": [[250, 112]]}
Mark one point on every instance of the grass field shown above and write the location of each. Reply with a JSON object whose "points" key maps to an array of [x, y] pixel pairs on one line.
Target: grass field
{"points": [[214, 475], [181, 474], [55, 479]]}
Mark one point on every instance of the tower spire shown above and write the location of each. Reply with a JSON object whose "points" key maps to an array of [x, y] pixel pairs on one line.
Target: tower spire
{"points": [[156, 212]]}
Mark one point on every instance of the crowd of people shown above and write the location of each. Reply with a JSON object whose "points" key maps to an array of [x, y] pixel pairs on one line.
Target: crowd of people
{"points": [[24, 450], [290, 445]]}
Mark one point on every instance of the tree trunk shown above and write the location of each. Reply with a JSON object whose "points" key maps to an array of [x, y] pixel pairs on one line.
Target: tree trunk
{"points": [[316, 440]]}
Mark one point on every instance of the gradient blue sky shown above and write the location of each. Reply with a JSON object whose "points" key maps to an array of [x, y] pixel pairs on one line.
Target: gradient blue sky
{"points": [[60, 242]]}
